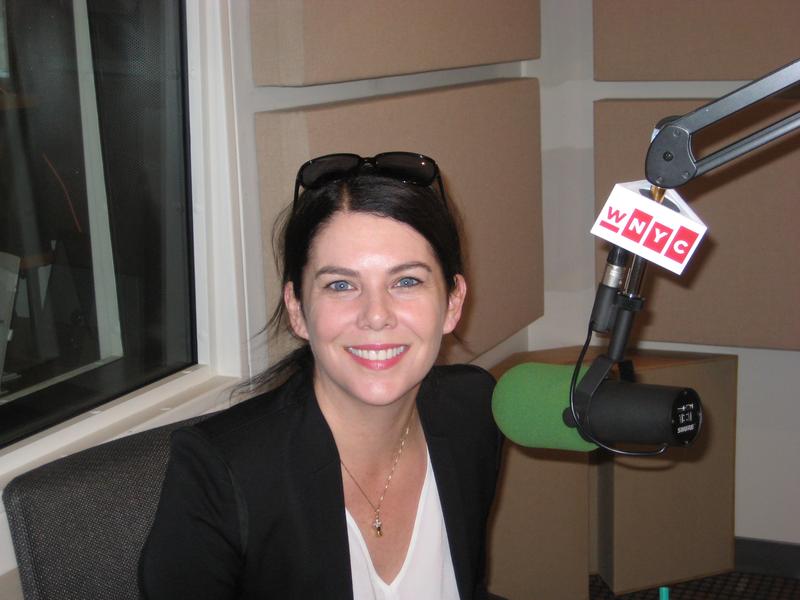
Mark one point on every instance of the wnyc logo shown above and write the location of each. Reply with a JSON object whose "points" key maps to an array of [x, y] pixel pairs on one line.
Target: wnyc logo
{"points": [[648, 229]]}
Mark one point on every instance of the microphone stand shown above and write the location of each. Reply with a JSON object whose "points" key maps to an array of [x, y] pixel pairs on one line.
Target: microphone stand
{"points": [[614, 315]]}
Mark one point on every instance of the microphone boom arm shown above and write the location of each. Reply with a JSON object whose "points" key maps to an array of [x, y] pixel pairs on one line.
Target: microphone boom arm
{"points": [[670, 162]]}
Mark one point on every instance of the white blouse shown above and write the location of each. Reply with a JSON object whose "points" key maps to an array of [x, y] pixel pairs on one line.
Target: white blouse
{"points": [[426, 574]]}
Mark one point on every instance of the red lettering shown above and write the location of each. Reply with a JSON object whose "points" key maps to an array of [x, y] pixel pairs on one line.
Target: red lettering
{"points": [[681, 245], [608, 225], [613, 215], [616, 215], [658, 237], [638, 224]]}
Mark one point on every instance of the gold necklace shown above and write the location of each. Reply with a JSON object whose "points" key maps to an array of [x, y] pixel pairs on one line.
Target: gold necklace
{"points": [[377, 523]]}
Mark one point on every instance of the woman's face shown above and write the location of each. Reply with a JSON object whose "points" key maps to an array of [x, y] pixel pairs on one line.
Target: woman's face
{"points": [[374, 309]]}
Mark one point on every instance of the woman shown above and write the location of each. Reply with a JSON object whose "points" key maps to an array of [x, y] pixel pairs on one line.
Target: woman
{"points": [[367, 473]]}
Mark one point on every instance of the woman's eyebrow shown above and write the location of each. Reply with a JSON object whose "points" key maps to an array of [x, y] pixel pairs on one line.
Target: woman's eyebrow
{"points": [[334, 270], [410, 265], [345, 272]]}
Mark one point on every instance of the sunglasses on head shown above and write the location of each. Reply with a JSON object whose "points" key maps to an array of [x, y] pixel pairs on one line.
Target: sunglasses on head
{"points": [[408, 167]]}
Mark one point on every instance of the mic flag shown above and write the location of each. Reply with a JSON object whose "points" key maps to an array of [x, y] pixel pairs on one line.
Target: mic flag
{"points": [[665, 236], [528, 404]]}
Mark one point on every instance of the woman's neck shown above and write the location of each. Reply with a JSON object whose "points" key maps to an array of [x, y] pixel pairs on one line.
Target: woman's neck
{"points": [[368, 435]]}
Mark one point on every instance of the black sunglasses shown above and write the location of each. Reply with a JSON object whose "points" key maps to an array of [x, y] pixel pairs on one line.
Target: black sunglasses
{"points": [[408, 167]]}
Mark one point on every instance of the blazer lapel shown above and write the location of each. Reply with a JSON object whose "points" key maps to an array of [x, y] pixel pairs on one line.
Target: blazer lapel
{"points": [[316, 461], [445, 471]]}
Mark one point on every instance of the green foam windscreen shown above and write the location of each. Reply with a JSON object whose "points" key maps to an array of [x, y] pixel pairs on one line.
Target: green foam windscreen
{"points": [[528, 403]]}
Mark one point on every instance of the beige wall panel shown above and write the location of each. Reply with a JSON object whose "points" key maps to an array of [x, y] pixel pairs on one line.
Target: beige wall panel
{"points": [[538, 537], [743, 285], [652, 40], [485, 138], [300, 42]]}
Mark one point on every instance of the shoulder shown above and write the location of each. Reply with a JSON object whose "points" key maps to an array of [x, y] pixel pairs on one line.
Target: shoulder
{"points": [[455, 404], [457, 396], [255, 425], [468, 381]]}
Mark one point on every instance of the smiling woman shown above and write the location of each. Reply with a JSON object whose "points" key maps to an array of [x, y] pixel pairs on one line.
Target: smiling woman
{"points": [[375, 334], [364, 471]]}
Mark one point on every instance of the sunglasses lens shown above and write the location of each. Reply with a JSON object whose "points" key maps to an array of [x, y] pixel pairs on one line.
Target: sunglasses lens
{"points": [[405, 166], [319, 170]]}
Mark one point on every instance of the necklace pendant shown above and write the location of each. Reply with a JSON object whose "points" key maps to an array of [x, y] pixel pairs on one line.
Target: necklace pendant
{"points": [[377, 525]]}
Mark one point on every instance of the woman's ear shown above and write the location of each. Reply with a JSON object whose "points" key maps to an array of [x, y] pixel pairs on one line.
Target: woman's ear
{"points": [[295, 310], [455, 302]]}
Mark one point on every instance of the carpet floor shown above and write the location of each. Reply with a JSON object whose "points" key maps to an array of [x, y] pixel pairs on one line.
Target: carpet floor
{"points": [[728, 586]]}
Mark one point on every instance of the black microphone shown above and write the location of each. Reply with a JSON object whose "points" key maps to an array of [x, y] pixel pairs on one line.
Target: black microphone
{"points": [[638, 413], [531, 407]]}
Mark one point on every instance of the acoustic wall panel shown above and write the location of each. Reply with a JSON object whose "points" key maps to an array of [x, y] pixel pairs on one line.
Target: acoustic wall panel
{"points": [[651, 40], [742, 287], [538, 538], [303, 42], [485, 138]]}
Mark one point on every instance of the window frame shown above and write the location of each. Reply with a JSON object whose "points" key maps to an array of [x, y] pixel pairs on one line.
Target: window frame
{"points": [[218, 277]]}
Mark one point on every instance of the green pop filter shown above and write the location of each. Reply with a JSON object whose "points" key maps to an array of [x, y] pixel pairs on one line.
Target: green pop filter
{"points": [[528, 403]]}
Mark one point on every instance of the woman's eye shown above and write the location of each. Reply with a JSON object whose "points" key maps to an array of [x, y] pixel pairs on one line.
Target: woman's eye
{"points": [[408, 282], [339, 286]]}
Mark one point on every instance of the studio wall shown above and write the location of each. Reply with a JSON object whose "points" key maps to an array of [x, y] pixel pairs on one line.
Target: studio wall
{"points": [[649, 40], [307, 42]]}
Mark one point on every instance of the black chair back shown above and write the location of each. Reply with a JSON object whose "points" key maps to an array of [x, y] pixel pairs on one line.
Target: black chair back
{"points": [[79, 523]]}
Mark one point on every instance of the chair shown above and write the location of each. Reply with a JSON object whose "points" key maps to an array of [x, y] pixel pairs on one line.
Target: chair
{"points": [[79, 523]]}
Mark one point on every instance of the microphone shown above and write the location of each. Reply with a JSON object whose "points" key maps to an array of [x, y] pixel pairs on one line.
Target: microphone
{"points": [[530, 405]]}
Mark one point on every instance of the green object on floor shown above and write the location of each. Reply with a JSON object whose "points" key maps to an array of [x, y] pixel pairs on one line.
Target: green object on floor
{"points": [[663, 593]]}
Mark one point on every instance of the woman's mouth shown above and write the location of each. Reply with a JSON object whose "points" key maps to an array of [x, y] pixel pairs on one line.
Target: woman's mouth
{"points": [[377, 357]]}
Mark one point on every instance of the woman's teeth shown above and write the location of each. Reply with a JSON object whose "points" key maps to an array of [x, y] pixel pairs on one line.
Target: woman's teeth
{"points": [[384, 354]]}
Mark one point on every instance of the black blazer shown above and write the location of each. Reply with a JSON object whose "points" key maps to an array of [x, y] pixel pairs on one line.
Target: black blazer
{"points": [[252, 504]]}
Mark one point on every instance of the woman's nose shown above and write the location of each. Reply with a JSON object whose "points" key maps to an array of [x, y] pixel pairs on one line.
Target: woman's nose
{"points": [[377, 312]]}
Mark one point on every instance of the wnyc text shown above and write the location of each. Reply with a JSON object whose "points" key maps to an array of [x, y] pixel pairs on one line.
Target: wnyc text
{"points": [[658, 234]]}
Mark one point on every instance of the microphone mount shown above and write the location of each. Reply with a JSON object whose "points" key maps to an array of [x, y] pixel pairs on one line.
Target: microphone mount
{"points": [[670, 163]]}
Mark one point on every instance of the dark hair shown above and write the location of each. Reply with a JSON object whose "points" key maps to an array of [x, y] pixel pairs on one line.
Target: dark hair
{"points": [[420, 207]]}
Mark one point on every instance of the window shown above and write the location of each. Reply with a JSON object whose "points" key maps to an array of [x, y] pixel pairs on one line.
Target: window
{"points": [[95, 248]]}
